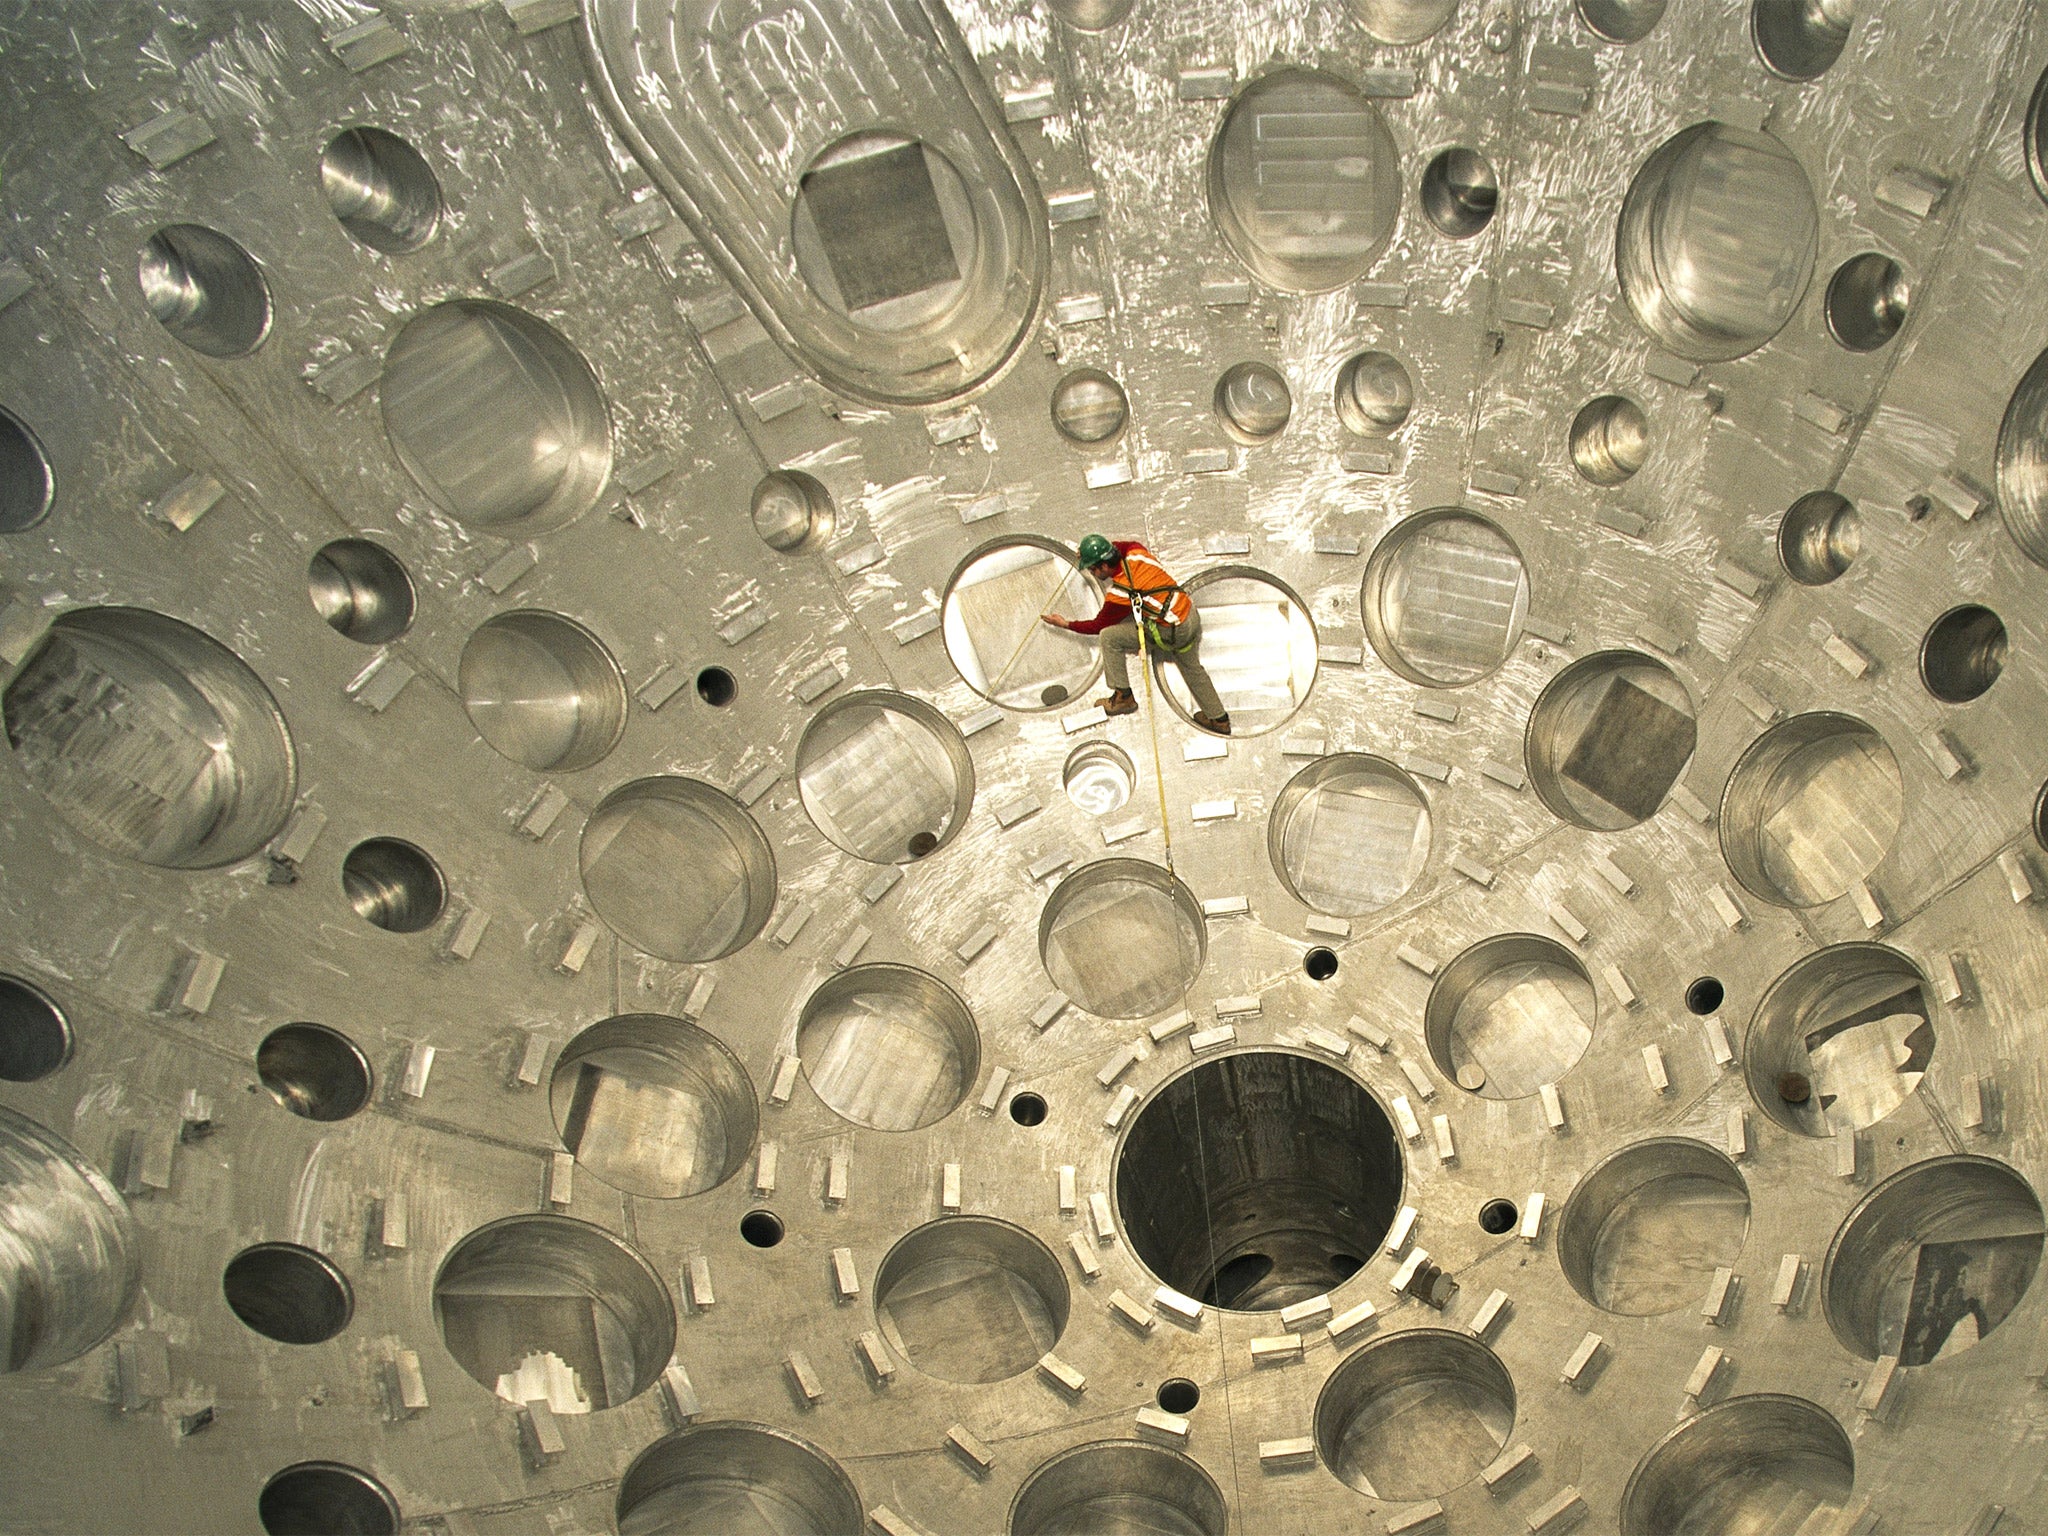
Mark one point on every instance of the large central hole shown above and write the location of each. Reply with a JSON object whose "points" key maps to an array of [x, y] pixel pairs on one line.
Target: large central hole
{"points": [[1258, 1180]]}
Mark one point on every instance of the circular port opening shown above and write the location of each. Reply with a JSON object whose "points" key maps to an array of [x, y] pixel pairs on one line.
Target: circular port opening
{"points": [[653, 1106], [1621, 21], [381, 189], [361, 590], [393, 885], [72, 1249], [1349, 834], [971, 1300], [288, 1293], [1444, 598], [1510, 1014], [1800, 39], [1258, 647], [205, 290], [1609, 736], [1123, 938], [1963, 654], [1498, 1217], [27, 485], [35, 1037], [1840, 1040], [1253, 402], [677, 869], [1119, 1485], [1705, 995], [993, 633], [888, 1047], [1744, 1465], [543, 691], [1178, 1395], [314, 1072], [1716, 242], [1089, 408], [1643, 1233], [1459, 193], [497, 417], [1415, 1414], [1867, 301], [1812, 807], [717, 1479], [1320, 963], [793, 512], [1343, 180], [1374, 394], [1099, 777], [219, 770], [878, 737], [1246, 1177], [548, 1307], [1609, 440], [717, 687], [761, 1229], [1027, 1108], [1819, 538], [1932, 1260], [318, 1498]]}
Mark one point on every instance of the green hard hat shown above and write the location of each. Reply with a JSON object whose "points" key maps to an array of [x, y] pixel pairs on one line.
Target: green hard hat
{"points": [[1095, 549]]}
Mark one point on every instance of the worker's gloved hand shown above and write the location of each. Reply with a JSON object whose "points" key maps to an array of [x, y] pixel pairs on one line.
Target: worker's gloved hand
{"points": [[1054, 620]]}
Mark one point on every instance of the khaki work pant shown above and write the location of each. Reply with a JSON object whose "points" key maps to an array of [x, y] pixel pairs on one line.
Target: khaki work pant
{"points": [[1120, 643]]}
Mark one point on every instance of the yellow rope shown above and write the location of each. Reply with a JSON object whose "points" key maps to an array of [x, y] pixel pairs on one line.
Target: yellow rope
{"points": [[1152, 719]]}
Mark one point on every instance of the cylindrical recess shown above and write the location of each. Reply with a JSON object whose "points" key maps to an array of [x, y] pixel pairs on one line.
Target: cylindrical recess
{"points": [[326, 1498], [654, 1106], [288, 1293], [543, 691], [885, 776], [314, 1071], [971, 1299], [362, 590], [691, 1482], [201, 772], [889, 1047], [1812, 807], [1258, 1179], [1349, 834], [35, 1036], [1512, 1013], [1643, 1232], [1119, 1486], [205, 290], [1852, 1025], [1609, 736], [678, 869], [1765, 1462], [1415, 1414], [1444, 597], [1123, 938], [27, 484], [70, 1257], [381, 190]]}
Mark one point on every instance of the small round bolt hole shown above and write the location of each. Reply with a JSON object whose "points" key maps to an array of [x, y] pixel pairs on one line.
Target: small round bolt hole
{"points": [[922, 843], [717, 687], [1320, 963], [1498, 1216], [1179, 1395], [1027, 1109], [1918, 508], [1705, 995], [761, 1228]]}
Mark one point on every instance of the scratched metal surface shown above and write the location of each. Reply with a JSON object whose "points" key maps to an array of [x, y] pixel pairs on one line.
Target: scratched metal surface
{"points": [[1504, 335]]}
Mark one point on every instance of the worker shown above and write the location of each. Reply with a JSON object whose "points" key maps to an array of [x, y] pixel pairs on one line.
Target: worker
{"points": [[1173, 629]]}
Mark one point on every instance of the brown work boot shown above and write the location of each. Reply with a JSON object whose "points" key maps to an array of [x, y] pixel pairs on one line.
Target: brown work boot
{"points": [[1220, 724], [1120, 701]]}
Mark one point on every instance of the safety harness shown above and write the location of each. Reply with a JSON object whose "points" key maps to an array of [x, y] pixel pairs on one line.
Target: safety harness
{"points": [[1163, 595]]}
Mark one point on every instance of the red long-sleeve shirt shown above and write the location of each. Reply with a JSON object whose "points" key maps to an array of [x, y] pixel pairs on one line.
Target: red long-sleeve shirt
{"points": [[1116, 607]]}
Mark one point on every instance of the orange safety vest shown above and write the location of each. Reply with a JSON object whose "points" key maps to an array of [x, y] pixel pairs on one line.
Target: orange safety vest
{"points": [[1153, 593]]}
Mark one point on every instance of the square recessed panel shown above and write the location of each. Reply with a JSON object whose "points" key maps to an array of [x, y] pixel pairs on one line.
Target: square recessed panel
{"points": [[1632, 750], [878, 218]]}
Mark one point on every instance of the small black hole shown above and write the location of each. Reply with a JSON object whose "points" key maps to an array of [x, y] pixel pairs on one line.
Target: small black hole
{"points": [[1320, 963], [1918, 508], [1705, 995], [1053, 693], [717, 687], [761, 1228], [1345, 1265], [1027, 1109], [922, 843], [1498, 1216], [1179, 1395]]}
